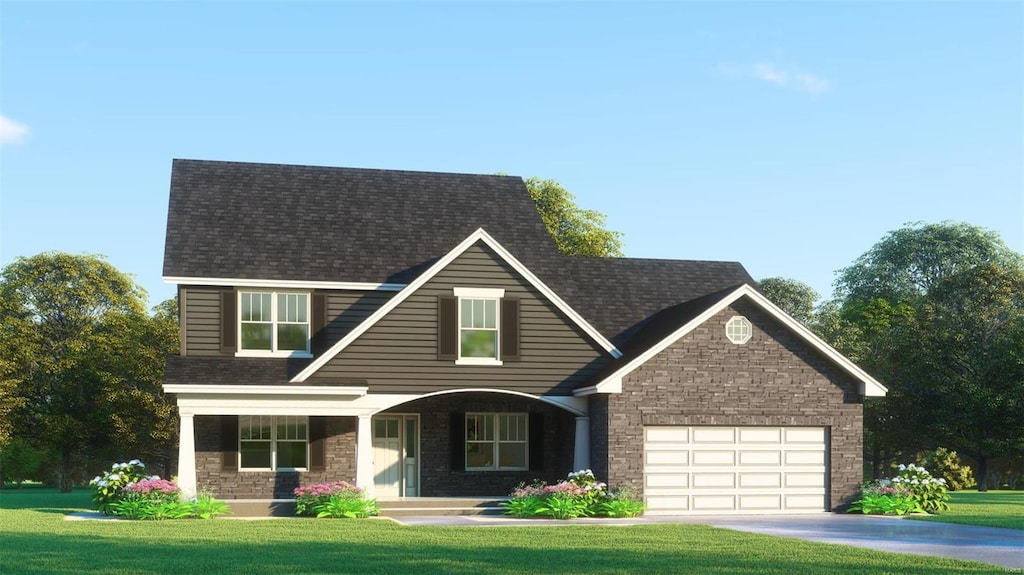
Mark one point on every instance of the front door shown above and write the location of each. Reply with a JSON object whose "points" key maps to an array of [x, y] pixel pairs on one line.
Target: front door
{"points": [[395, 455]]}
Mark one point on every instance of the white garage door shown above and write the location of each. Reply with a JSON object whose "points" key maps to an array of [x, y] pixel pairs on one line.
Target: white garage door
{"points": [[713, 470]]}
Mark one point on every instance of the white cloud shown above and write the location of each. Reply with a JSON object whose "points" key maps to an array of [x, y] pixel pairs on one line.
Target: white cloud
{"points": [[767, 72], [12, 132]]}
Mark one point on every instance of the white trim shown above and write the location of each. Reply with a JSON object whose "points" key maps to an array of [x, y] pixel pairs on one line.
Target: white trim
{"points": [[478, 235], [479, 293], [868, 386], [199, 389], [287, 284], [298, 354], [478, 361]]}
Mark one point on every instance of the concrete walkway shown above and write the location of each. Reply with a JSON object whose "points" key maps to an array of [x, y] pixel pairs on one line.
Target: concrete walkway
{"points": [[1004, 547]]}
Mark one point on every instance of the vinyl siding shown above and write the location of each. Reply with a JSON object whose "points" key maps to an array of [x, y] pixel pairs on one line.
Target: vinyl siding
{"points": [[399, 353], [345, 309]]}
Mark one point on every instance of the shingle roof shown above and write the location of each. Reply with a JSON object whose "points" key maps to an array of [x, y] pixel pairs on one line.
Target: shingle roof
{"points": [[265, 221], [281, 222]]}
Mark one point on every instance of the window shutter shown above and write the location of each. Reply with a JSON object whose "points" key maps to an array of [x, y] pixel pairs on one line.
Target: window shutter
{"points": [[317, 439], [447, 328], [536, 442], [229, 442], [509, 329], [228, 322], [319, 322], [457, 429]]}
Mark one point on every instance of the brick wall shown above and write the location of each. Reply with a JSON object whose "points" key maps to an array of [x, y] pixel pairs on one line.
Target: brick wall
{"points": [[704, 379], [340, 462], [436, 477]]}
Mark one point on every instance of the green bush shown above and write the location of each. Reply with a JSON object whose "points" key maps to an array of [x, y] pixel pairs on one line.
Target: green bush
{"points": [[945, 464], [339, 499], [107, 488], [20, 461], [622, 502], [929, 492], [579, 495]]}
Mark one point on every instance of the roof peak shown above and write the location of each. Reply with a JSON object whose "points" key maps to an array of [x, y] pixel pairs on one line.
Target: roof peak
{"points": [[340, 168]]}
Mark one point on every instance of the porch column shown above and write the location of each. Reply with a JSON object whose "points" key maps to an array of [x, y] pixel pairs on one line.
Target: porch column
{"points": [[364, 455], [581, 460], [187, 456]]}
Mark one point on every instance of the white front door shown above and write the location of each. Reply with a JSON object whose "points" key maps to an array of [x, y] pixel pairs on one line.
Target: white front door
{"points": [[395, 451]]}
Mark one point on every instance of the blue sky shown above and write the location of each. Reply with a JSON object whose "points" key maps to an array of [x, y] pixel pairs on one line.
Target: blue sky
{"points": [[788, 136]]}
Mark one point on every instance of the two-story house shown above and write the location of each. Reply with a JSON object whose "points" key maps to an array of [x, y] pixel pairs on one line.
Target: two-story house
{"points": [[419, 334]]}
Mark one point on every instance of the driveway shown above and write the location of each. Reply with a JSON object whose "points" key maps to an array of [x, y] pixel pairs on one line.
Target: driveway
{"points": [[1004, 547]]}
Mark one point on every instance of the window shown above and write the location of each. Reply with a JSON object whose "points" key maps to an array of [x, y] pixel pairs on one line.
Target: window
{"points": [[738, 330], [270, 443], [478, 325], [274, 323], [496, 441]]}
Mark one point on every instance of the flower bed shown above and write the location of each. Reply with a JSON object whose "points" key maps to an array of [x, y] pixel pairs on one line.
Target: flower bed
{"points": [[127, 492], [579, 495], [339, 499], [912, 490]]}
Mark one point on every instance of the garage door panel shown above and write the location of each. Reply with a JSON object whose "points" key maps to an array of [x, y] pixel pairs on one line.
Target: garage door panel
{"points": [[760, 457], [734, 469]]}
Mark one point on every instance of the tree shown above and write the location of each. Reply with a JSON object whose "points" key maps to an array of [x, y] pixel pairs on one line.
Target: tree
{"points": [[82, 359], [938, 311], [794, 297], [576, 231]]}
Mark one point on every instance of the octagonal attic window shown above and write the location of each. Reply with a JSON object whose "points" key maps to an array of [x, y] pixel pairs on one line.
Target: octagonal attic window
{"points": [[738, 330]]}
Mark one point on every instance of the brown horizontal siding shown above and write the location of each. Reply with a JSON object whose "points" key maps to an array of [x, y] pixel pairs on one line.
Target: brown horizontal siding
{"points": [[202, 321], [348, 309], [399, 353]]}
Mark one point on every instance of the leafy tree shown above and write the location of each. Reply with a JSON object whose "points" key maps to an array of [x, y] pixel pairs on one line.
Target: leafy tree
{"points": [[938, 311], [576, 231], [794, 297], [82, 359]]}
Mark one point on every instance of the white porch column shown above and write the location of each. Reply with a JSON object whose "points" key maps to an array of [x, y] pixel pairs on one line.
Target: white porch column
{"points": [[364, 455], [581, 460], [187, 456]]}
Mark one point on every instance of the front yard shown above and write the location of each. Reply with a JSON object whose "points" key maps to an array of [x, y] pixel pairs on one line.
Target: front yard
{"points": [[36, 539], [990, 509]]}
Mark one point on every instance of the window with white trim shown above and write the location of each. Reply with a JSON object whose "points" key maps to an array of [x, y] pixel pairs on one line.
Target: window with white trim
{"points": [[271, 443], [274, 323], [738, 330], [497, 441], [479, 322]]}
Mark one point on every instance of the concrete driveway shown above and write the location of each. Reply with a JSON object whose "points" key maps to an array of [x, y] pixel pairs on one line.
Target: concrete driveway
{"points": [[1004, 547]]}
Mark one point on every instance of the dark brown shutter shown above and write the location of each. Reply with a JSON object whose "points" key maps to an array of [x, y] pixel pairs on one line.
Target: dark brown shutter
{"points": [[319, 322], [317, 439], [536, 442], [447, 328], [457, 429], [509, 329], [229, 442], [228, 322]]}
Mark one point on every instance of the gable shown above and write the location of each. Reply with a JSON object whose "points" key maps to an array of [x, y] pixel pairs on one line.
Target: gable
{"points": [[611, 382], [478, 261]]}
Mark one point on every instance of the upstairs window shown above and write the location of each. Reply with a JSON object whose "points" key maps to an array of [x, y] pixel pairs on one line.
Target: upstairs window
{"points": [[274, 323], [738, 330], [478, 328]]}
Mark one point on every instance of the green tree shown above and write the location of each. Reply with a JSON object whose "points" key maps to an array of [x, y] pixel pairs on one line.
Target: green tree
{"points": [[794, 297], [83, 359], [937, 310], [576, 231]]}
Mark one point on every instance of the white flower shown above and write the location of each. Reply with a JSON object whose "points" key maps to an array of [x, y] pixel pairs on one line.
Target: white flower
{"points": [[95, 480], [136, 462], [914, 482], [902, 467], [942, 481], [114, 477]]}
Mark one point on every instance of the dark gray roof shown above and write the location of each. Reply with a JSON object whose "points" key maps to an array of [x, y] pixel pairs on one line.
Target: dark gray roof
{"points": [[281, 222], [264, 221]]}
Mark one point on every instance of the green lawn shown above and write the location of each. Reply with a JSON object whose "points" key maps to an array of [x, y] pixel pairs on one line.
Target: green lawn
{"points": [[990, 509], [35, 538]]}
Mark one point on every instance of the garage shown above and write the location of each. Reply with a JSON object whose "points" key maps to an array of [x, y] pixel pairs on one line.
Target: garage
{"points": [[724, 469]]}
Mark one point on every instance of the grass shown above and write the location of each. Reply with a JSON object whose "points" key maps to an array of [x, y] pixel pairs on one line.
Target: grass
{"points": [[989, 509], [36, 539]]}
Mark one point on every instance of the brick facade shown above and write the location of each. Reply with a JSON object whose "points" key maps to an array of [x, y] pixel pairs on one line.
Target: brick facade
{"points": [[704, 379], [436, 476], [339, 459]]}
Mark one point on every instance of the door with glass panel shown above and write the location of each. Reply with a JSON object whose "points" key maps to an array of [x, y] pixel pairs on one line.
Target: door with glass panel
{"points": [[396, 455]]}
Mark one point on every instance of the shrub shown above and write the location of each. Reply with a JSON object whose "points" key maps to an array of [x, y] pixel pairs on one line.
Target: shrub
{"points": [[883, 497], [107, 487], [339, 499], [945, 464], [206, 507], [929, 492], [580, 495], [20, 461]]}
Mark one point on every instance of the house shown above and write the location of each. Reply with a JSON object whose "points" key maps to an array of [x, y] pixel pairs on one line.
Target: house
{"points": [[419, 334]]}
